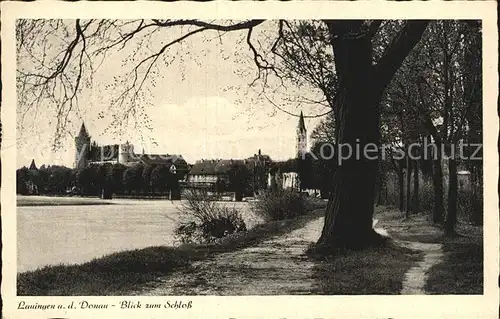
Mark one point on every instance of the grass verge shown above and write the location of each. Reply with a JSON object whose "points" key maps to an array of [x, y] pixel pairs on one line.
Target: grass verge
{"points": [[461, 272], [123, 272], [374, 271]]}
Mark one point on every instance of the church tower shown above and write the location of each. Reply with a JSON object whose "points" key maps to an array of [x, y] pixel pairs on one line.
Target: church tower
{"points": [[125, 153], [301, 137], [33, 166], [82, 148]]}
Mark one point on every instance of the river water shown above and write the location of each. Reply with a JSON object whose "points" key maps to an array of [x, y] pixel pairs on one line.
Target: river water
{"points": [[48, 235]]}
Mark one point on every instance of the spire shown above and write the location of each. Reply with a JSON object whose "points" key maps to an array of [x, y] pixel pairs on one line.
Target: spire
{"points": [[83, 130], [33, 165], [302, 125]]}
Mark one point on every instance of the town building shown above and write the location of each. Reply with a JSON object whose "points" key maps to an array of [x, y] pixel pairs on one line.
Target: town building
{"points": [[206, 173], [215, 173]]}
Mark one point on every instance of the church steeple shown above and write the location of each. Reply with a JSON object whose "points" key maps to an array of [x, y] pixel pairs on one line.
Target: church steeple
{"points": [[83, 131], [82, 147], [302, 124], [301, 136], [33, 165]]}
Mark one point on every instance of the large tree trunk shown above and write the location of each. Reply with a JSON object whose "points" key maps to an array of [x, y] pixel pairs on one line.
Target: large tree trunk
{"points": [[416, 199], [437, 181], [401, 184], [476, 177], [379, 186], [451, 217], [348, 220], [473, 88], [382, 191], [349, 213], [408, 184]]}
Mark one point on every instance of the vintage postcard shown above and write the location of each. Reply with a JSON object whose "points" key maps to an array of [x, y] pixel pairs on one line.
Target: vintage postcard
{"points": [[249, 159]]}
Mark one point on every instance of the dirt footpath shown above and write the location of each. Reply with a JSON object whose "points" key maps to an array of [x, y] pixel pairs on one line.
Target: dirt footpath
{"points": [[274, 267], [279, 266]]}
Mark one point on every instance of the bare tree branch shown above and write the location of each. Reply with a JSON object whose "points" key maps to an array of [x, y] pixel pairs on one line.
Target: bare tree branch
{"points": [[400, 47], [296, 115]]}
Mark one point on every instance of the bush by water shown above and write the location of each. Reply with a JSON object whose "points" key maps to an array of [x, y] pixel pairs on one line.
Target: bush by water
{"points": [[210, 220], [281, 204]]}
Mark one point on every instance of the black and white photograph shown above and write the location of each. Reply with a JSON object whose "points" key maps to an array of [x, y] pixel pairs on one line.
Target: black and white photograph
{"points": [[185, 156]]}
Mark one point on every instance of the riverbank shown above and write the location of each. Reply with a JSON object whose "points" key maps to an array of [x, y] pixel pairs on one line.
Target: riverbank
{"points": [[60, 200], [82, 232], [279, 266], [123, 272], [269, 260], [461, 271], [451, 265]]}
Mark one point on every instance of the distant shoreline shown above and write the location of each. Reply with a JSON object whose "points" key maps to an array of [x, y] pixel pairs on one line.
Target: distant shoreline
{"points": [[64, 200], [23, 201], [32, 204]]}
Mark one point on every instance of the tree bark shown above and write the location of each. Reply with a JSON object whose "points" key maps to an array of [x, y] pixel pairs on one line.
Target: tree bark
{"points": [[473, 88], [349, 213], [476, 193], [401, 190], [378, 186], [408, 184], [451, 217], [416, 199], [437, 181], [437, 170], [381, 189]]}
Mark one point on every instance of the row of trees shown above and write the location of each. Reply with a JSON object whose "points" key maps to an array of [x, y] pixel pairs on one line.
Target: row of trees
{"points": [[432, 104], [94, 179], [437, 95], [45, 180], [132, 180]]}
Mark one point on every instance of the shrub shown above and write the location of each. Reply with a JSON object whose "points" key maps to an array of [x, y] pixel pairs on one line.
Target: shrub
{"points": [[280, 204], [211, 220]]}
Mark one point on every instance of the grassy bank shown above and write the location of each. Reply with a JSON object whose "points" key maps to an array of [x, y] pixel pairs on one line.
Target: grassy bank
{"points": [[376, 271], [461, 272], [120, 273], [373, 271]]}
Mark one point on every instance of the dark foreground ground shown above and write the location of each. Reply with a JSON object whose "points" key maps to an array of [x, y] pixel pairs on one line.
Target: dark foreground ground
{"points": [[462, 270]]}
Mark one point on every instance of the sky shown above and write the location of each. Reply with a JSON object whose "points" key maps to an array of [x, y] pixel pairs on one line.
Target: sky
{"points": [[200, 107]]}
